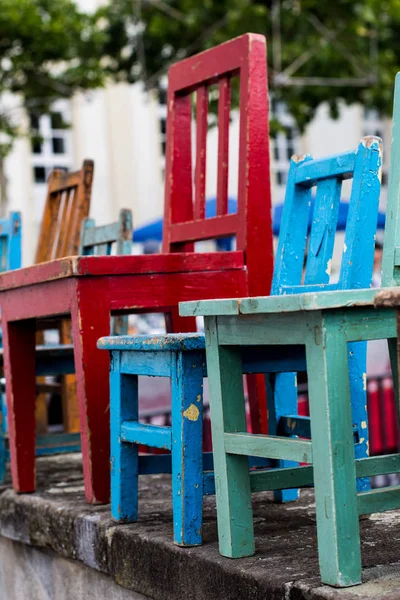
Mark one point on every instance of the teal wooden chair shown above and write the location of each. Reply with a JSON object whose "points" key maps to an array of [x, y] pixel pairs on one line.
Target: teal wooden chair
{"points": [[316, 327]]}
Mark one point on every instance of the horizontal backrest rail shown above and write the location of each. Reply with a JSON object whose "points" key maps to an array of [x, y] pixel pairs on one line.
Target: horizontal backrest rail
{"points": [[203, 229], [342, 165]]}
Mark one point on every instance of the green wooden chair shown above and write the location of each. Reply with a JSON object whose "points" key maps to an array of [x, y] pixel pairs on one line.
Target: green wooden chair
{"points": [[322, 324]]}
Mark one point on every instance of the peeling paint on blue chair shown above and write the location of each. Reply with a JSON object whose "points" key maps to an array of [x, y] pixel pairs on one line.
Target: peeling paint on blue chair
{"points": [[10, 258]]}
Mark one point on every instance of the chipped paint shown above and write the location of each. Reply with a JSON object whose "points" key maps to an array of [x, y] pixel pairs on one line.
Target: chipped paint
{"points": [[198, 398], [344, 248], [363, 424], [364, 378], [192, 413], [328, 267]]}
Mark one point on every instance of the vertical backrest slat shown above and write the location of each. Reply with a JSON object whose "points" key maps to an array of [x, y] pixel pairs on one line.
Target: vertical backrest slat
{"points": [[391, 256], [224, 108], [201, 151], [178, 176], [11, 237], [323, 231], [60, 239], [359, 243], [244, 58], [364, 166], [80, 207], [48, 229], [289, 258], [124, 241]]}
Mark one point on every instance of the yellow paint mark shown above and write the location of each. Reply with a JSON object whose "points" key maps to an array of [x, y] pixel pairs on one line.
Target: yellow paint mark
{"points": [[364, 381], [192, 413], [362, 440], [363, 424], [329, 267], [198, 398]]}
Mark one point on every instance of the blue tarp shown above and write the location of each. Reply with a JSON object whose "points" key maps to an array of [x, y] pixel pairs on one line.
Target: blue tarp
{"points": [[153, 231]]}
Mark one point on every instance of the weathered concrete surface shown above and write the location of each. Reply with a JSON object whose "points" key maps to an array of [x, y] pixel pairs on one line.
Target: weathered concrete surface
{"points": [[141, 556], [35, 574]]}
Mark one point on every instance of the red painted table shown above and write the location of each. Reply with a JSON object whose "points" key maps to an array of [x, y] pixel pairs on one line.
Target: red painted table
{"points": [[89, 289]]}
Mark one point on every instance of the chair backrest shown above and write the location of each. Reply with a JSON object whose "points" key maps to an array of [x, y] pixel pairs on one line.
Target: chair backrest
{"points": [[326, 175], [184, 216], [99, 240], [391, 244], [10, 242], [67, 204]]}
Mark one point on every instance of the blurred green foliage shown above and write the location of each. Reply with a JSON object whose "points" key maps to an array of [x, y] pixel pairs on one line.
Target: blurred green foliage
{"points": [[50, 49]]}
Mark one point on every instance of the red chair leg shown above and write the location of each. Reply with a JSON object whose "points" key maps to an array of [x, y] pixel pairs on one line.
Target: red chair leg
{"points": [[257, 392], [90, 321], [20, 374]]}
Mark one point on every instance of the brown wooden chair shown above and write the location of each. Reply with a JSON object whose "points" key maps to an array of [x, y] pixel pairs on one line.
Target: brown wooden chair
{"points": [[67, 205]]}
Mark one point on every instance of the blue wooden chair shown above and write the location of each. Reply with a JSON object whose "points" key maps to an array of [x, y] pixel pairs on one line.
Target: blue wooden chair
{"points": [[10, 258], [181, 357], [59, 359], [303, 264]]}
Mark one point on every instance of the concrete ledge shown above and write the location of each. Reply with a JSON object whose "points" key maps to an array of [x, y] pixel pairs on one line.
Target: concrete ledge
{"points": [[142, 558]]}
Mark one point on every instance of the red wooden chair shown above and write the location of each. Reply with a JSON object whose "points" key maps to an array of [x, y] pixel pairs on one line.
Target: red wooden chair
{"points": [[91, 288]]}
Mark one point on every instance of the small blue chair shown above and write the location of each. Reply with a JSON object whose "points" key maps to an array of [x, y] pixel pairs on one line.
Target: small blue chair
{"points": [[10, 258], [181, 357]]}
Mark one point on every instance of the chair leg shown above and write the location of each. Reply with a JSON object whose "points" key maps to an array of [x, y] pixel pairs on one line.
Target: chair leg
{"points": [[282, 401], [91, 320], [357, 352], [187, 447], [393, 353], [20, 374], [333, 455], [124, 406], [232, 476], [3, 431], [257, 395]]}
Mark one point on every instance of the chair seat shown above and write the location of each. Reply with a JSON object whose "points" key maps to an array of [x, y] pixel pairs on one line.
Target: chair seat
{"points": [[279, 304], [168, 342], [84, 266]]}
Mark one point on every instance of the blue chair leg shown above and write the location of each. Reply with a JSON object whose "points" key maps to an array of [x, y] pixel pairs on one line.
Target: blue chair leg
{"points": [[187, 455], [282, 401], [124, 406], [358, 389], [3, 431]]}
